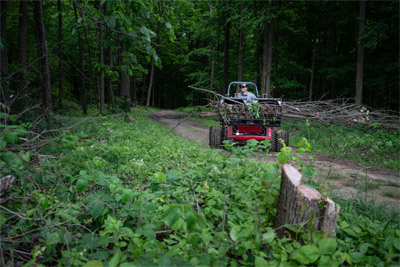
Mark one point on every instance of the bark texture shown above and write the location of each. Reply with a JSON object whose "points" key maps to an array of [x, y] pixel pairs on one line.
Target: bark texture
{"points": [[267, 51], [125, 84], [101, 79], [240, 56], [44, 55], [22, 27], [82, 65], [3, 32], [60, 57], [300, 203], [226, 57], [360, 54]]}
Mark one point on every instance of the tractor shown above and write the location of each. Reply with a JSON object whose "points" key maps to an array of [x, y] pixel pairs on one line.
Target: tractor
{"points": [[241, 121]]}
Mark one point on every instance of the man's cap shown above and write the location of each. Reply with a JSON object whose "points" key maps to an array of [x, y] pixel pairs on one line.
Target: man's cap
{"points": [[243, 85]]}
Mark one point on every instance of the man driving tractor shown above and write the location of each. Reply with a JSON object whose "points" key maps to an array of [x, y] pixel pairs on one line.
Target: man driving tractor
{"points": [[245, 94]]}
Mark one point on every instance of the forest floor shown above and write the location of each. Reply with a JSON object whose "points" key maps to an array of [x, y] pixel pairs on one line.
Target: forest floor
{"points": [[346, 178]]}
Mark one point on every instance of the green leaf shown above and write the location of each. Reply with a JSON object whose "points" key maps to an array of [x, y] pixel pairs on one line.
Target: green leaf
{"points": [[357, 257], [396, 243], [233, 234], [190, 219], [115, 259], [2, 144], [269, 236], [168, 25], [300, 150], [200, 220], [96, 209], [260, 262], [307, 254], [93, 264], [327, 245], [172, 215], [126, 196], [5, 115], [82, 185]]}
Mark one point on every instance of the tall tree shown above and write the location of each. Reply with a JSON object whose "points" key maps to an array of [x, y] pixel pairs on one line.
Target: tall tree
{"points": [[332, 46], [226, 56], [60, 56], [81, 64], [3, 35], [310, 88], [267, 51], [43, 55], [241, 51], [360, 53], [22, 34], [125, 84], [101, 79]]}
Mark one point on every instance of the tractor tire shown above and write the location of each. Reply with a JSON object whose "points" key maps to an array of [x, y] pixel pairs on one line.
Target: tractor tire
{"points": [[282, 135], [215, 136], [273, 142], [224, 135]]}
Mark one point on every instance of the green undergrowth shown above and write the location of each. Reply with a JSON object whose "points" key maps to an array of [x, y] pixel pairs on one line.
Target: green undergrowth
{"points": [[112, 193], [364, 144], [208, 121], [368, 145]]}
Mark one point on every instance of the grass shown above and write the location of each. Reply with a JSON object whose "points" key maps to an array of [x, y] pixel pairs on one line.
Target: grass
{"points": [[335, 175], [363, 144], [395, 194]]}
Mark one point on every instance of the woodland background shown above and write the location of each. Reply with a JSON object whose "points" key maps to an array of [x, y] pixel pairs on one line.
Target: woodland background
{"points": [[64, 53]]}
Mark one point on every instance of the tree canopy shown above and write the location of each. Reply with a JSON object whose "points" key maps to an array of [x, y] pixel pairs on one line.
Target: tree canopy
{"points": [[148, 52]]}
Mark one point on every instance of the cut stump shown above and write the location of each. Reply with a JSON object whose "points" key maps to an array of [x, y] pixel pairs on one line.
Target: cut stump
{"points": [[298, 204]]}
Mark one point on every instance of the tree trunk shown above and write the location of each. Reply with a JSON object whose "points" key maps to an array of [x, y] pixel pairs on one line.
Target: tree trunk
{"points": [[360, 54], [267, 51], [240, 56], [101, 82], [110, 79], [133, 95], [300, 204], [310, 89], [150, 84], [22, 34], [269, 57], [44, 55], [332, 51], [226, 58], [125, 84], [60, 62], [82, 65], [3, 32], [92, 76], [212, 68]]}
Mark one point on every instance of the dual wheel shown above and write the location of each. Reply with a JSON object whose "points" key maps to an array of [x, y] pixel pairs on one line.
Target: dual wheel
{"points": [[218, 134]]}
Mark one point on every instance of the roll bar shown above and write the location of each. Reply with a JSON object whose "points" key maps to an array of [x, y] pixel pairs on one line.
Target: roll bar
{"points": [[248, 83]]}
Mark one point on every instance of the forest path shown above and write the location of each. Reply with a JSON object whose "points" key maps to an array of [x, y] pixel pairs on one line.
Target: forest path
{"points": [[346, 178]]}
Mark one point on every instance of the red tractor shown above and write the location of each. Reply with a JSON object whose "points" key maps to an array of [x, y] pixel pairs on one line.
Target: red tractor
{"points": [[242, 121]]}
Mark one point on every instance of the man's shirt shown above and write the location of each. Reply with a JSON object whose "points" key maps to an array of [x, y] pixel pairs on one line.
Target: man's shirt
{"points": [[249, 97]]}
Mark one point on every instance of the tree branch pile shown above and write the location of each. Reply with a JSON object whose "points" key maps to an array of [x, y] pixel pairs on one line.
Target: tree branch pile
{"points": [[340, 111]]}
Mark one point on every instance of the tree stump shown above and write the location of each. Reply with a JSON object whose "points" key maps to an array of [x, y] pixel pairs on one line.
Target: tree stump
{"points": [[299, 203]]}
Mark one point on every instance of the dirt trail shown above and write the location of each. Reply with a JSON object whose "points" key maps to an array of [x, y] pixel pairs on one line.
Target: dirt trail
{"points": [[345, 178]]}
